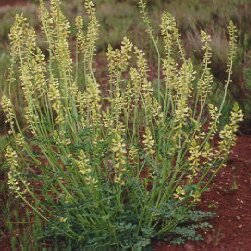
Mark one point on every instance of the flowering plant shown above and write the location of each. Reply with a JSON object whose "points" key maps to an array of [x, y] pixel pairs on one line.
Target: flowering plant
{"points": [[120, 167]]}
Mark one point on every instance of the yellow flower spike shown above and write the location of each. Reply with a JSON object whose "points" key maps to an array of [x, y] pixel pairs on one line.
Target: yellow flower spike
{"points": [[194, 158], [61, 44], [133, 154], [39, 70], [90, 7], [119, 150], [142, 87], [141, 63], [13, 174], [91, 36], [168, 26], [179, 193], [17, 35], [206, 40], [232, 30], [80, 34], [126, 48], [204, 85], [118, 60], [54, 97], [93, 101], [47, 25], [171, 35], [170, 72], [183, 89], [89, 104], [9, 112], [82, 162], [228, 133], [149, 144], [213, 123], [135, 86], [20, 140]]}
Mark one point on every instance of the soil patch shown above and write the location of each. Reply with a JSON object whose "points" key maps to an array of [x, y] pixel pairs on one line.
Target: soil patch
{"points": [[12, 2]]}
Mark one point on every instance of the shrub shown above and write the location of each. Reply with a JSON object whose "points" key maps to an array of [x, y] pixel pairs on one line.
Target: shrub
{"points": [[119, 167]]}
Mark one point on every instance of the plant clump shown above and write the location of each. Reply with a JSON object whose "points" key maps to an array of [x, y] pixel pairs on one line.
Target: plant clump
{"points": [[121, 167]]}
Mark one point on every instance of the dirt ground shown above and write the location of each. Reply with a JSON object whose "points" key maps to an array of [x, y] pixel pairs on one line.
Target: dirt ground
{"points": [[12, 2]]}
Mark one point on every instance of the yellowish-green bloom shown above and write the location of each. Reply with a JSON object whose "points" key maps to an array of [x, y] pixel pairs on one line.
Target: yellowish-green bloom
{"points": [[148, 141]]}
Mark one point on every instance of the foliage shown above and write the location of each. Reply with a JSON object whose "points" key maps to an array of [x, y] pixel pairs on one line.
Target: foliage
{"points": [[118, 168]]}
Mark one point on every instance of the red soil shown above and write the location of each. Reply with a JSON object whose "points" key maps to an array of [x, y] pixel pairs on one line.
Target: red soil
{"points": [[230, 198], [12, 2]]}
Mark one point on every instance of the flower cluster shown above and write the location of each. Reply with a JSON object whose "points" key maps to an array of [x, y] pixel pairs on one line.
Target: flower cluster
{"points": [[119, 59], [228, 133], [9, 112], [14, 175], [118, 148], [148, 141], [83, 164]]}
